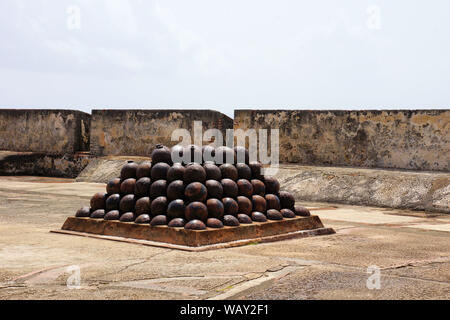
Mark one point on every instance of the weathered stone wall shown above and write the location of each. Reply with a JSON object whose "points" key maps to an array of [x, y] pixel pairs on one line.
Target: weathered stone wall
{"points": [[404, 139], [136, 132], [47, 131]]}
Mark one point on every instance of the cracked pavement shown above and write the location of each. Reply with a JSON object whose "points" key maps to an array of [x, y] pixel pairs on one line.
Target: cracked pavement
{"points": [[411, 250]]}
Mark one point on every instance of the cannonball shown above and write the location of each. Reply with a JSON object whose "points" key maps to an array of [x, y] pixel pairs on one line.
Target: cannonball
{"points": [[242, 155], [159, 220], [158, 189], [128, 217], [127, 203], [244, 219], [287, 200], [215, 208], [142, 219], [128, 171], [196, 211], [159, 171], [142, 187], [195, 225], [272, 185], [245, 188], [196, 191], [176, 209], [215, 189], [214, 223], [230, 221], [273, 214], [144, 170], [112, 215], [175, 190], [127, 186], [159, 206], [245, 205], [258, 203], [230, 188], [225, 155], [230, 206], [98, 201], [259, 217], [302, 211], [244, 171], [142, 206], [193, 153], [229, 171], [258, 187], [194, 172], [161, 154], [287, 213], [113, 186], [212, 171], [112, 202], [177, 223], [84, 212], [272, 202], [208, 153], [255, 167], [175, 172], [177, 152]]}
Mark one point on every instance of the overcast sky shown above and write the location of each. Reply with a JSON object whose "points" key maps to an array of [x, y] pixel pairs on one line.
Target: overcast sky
{"points": [[225, 55]]}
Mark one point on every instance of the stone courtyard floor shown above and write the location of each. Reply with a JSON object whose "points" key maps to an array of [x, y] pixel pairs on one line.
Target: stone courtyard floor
{"points": [[410, 248]]}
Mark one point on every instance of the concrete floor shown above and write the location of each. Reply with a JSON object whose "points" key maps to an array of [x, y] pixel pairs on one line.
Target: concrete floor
{"points": [[411, 250]]}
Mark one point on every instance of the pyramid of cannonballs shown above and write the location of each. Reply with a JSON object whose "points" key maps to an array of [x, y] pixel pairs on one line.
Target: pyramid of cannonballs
{"points": [[186, 187]]}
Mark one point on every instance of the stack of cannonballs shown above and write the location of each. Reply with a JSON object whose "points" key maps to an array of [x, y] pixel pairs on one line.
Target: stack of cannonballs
{"points": [[188, 187]]}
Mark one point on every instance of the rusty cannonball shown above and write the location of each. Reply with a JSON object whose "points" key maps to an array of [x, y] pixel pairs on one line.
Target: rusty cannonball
{"points": [[159, 171], [244, 171], [176, 172], [212, 171], [175, 190], [272, 202], [193, 154], [215, 208], [158, 189], [144, 169], [195, 225], [215, 189], [177, 153], [242, 155], [229, 171], [112, 215], [142, 187], [128, 171], [98, 201], [259, 217], [230, 221], [208, 152], [301, 211], [142, 219], [258, 203], [177, 223], [287, 213], [255, 167], [128, 217], [196, 211], [273, 214], [176, 209], [245, 188], [84, 212], [112, 202], [245, 205], [230, 188], [258, 187], [230, 206], [272, 185], [98, 214], [161, 154], [194, 172], [142, 206], [225, 155], [196, 191], [159, 206], [159, 220], [127, 203], [127, 186], [244, 219], [287, 200], [113, 186], [214, 223]]}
